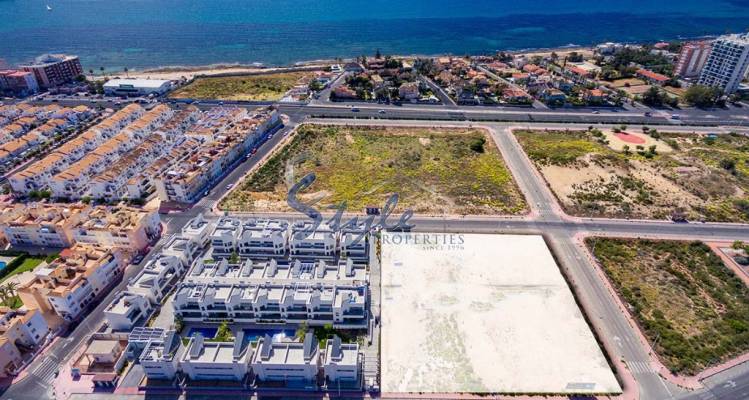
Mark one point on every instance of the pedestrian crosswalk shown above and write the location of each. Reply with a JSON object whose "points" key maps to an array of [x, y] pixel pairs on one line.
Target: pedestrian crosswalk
{"points": [[46, 370], [640, 367]]}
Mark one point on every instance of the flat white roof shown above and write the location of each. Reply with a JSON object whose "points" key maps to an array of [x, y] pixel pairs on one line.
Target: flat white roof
{"points": [[470, 313], [137, 83]]}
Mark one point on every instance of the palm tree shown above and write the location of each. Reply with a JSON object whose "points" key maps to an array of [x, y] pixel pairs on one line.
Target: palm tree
{"points": [[11, 287], [4, 295], [91, 71], [128, 75]]}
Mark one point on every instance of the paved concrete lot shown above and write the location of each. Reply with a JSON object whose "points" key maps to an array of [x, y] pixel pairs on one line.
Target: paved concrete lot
{"points": [[483, 313]]}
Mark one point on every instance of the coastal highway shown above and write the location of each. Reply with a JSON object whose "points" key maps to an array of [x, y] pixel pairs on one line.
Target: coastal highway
{"points": [[730, 116], [719, 117]]}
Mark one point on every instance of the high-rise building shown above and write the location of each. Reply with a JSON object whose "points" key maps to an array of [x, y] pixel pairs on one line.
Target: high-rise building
{"points": [[727, 63], [52, 70], [692, 58]]}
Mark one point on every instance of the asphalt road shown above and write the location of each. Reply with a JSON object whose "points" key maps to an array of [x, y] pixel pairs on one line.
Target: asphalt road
{"points": [[602, 311]]}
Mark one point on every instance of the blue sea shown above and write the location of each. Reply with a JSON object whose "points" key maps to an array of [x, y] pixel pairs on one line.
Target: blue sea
{"points": [[150, 33]]}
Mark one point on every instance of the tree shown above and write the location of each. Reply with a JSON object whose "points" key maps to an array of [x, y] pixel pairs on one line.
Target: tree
{"points": [[128, 75], [223, 334], [234, 258], [728, 164], [378, 55], [702, 96], [301, 331], [478, 145], [653, 97], [626, 150]]}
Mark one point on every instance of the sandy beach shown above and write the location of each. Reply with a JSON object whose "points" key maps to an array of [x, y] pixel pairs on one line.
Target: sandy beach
{"points": [[189, 72]]}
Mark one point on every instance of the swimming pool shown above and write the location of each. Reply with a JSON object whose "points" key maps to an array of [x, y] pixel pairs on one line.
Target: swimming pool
{"points": [[250, 335]]}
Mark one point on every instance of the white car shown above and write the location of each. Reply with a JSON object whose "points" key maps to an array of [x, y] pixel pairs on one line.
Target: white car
{"points": [[229, 186]]}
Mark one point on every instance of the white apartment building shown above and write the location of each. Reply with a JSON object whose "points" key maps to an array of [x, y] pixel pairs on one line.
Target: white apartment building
{"points": [[263, 237], [184, 249], [125, 310], [224, 236], [287, 361], [354, 241], [307, 241], [285, 291], [153, 281], [198, 230], [203, 360], [160, 357], [727, 64], [342, 362]]}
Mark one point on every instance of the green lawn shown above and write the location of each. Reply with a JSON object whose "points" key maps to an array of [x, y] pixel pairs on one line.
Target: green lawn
{"points": [[691, 307], [265, 87], [28, 264], [432, 170]]}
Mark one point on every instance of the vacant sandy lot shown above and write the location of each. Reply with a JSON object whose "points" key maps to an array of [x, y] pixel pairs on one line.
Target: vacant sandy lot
{"points": [[433, 170], [703, 177], [483, 314]]}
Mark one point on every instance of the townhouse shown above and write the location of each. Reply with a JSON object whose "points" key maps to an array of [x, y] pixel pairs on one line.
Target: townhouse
{"points": [[198, 229], [39, 174], [74, 281], [62, 225], [153, 281], [204, 360], [306, 240], [126, 310], [74, 182], [21, 333], [228, 134], [341, 362], [160, 356], [224, 236], [111, 184], [143, 183], [263, 237], [41, 225], [270, 362], [149, 287], [287, 361], [259, 238], [288, 291], [120, 226]]}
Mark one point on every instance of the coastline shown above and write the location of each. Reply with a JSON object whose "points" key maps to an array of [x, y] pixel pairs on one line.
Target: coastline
{"points": [[177, 72]]}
